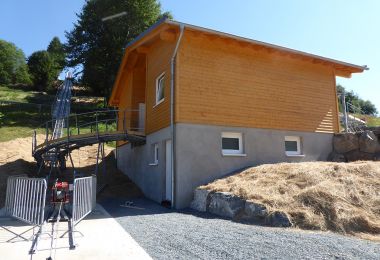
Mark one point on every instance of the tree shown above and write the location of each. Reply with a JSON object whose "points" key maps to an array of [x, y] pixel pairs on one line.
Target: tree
{"points": [[13, 67], [57, 53], [368, 107], [98, 46], [42, 70]]}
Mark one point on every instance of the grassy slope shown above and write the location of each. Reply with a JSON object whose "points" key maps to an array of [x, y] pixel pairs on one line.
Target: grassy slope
{"points": [[24, 95], [373, 121], [19, 120], [341, 197]]}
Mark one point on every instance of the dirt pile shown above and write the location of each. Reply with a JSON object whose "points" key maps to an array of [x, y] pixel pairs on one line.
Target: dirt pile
{"points": [[341, 197]]}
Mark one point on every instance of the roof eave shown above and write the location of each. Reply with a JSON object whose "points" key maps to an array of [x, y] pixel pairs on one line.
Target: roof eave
{"points": [[112, 101], [269, 45]]}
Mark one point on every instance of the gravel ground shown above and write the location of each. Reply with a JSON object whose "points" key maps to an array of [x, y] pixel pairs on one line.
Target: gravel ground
{"points": [[187, 234]]}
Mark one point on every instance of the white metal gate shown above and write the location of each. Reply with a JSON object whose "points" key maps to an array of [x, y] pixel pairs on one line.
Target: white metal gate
{"points": [[26, 198], [84, 197]]}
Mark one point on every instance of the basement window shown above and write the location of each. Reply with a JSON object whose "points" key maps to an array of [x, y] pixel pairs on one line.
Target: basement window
{"points": [[292, 145], [160, 88], [232, 144], [154, 155]]}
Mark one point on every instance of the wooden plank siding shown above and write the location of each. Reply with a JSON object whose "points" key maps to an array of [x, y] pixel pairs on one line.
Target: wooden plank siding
{"points": [[158, 61], [221, 82]]}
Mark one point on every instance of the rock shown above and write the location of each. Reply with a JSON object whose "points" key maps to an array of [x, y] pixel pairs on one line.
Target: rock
{"points": [[225, 204], [200, 201], [336, 157], [359, 156], [368, 142], [345, 142], [278, 219], [254, 210]]}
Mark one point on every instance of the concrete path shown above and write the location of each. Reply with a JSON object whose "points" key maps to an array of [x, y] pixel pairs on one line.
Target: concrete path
{"points": [[103, 238], [187, 234]]}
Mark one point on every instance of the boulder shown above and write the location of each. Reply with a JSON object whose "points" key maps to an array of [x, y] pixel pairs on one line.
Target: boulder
{"points": [[254, 210], [345, 142], [200, 201], [359, 156], [368, 142], [278, 219], [336, 157], [225, 204]]}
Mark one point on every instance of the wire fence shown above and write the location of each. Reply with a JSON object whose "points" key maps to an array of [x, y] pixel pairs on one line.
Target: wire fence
{"points": [[350, 116]]}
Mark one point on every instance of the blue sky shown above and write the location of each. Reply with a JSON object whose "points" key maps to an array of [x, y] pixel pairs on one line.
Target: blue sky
{"points": [[346, 30]]}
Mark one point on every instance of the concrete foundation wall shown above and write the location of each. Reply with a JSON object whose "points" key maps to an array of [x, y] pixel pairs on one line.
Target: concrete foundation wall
{"points": [[199, 158], [134, 162]]}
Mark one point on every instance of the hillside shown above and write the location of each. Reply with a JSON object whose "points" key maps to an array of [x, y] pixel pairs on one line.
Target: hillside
{"points": [[340, 197], [22, 110]]}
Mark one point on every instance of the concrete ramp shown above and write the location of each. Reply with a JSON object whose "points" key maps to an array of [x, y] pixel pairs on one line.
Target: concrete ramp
{"points": [[103, 238]]}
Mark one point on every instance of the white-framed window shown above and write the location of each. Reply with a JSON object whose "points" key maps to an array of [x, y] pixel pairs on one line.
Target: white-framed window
{"points": [[232, 143], [154, 154], [160, 88], [292, 145]]}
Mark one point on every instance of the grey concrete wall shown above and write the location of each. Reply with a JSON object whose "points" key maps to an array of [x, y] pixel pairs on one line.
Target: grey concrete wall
{"points": [[134, 162], [199, 158]]}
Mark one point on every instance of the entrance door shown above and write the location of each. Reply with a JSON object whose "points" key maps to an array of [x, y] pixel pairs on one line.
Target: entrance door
{"points": [[168, 167]]}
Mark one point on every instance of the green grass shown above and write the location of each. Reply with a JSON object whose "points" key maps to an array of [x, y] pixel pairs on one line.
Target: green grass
{"points": [[25, 95], [20, 119], [16, 121], [373, 121]]}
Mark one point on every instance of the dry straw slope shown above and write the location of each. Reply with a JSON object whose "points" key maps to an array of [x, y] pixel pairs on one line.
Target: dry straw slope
{"points": [[341, 197]]}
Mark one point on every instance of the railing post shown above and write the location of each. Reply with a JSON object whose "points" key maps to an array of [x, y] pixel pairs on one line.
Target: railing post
{"points": [[96, 125], [124, 120], [47, 133], [117, 120], [76, 122], [34, 145]]}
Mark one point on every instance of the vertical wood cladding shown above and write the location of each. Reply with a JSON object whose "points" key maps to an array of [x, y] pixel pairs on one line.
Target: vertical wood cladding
{"points": [[221, 82], [158, 61]]}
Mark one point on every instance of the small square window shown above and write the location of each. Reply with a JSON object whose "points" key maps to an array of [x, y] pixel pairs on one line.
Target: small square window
{"points": [[160, 88], [292, 145], [232, 143], [154, 154]]}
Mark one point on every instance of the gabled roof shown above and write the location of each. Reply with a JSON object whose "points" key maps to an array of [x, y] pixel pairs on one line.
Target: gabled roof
{"points": [[341, 68]]}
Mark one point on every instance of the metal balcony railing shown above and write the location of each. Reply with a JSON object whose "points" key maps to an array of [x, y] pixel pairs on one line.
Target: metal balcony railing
{"points": [[92, 124]]}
